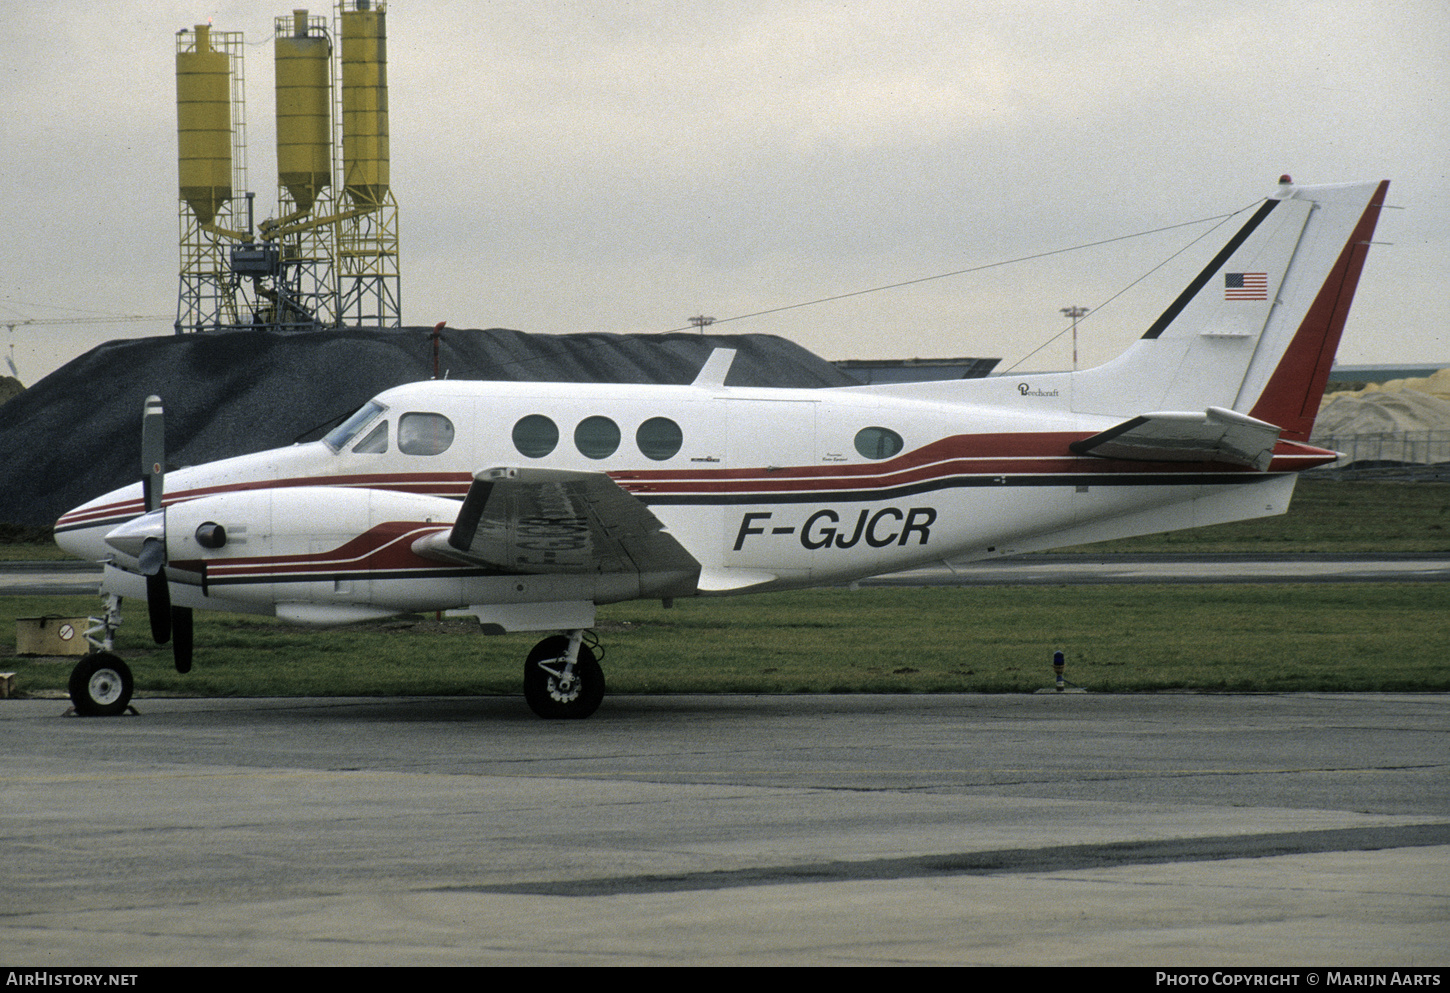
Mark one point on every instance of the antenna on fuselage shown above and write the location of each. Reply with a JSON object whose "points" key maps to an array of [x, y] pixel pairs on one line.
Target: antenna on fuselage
{"points": [[716, 368], [437, 336]]}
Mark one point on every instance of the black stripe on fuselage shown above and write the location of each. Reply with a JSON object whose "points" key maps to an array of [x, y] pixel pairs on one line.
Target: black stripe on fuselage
{"points": [[816, 496], [1168, 316], [108, 523], [331, 577], [953, 483]]}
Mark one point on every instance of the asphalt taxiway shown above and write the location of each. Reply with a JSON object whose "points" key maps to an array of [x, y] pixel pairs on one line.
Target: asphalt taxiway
{"points": [[1055, 829], [1087, 568]]}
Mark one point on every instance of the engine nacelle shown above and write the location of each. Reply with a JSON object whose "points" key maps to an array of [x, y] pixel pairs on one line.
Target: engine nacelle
{"points": [[304, 544]]}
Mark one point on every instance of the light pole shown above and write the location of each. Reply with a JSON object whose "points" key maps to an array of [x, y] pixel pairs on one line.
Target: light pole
{"points": [[1074, 313], [702, 322]]}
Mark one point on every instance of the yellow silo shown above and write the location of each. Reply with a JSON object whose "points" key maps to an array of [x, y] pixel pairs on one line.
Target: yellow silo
{"points": [[365, 103], [204, 125], [304, 116]]}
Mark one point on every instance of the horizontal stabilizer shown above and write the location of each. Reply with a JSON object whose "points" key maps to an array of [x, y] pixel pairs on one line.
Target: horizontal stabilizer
{"points": [[1216, 435], [557, 521]]}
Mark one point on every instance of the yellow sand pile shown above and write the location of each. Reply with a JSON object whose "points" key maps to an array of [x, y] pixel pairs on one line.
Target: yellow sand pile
{"points": [[1395, 406]]}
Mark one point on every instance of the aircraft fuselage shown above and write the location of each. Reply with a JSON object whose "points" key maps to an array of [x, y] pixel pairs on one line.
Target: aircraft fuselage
{"points": [[766, 489]]}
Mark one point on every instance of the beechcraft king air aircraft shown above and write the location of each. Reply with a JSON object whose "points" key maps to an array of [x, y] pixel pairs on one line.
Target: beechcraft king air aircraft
{"points": [[527, 505]]}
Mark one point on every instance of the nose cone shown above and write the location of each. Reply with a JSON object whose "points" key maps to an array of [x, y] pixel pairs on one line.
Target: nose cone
{"points": [[83, 543], [82, 531]]}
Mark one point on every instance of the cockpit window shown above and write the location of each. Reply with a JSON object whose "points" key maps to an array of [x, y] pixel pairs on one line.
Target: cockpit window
{"points": [[375, 443], [424, 434], [345, 432]]}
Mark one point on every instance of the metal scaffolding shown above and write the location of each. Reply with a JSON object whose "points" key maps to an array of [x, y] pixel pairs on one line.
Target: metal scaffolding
{"points": [[369, 280], [212, 132], [329, 258]]}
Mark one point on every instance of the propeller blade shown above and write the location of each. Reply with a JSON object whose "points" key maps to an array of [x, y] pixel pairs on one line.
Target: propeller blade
{"points": [[181, 645], [166, 620], [158, 606], [152, 558], [153, 452]]}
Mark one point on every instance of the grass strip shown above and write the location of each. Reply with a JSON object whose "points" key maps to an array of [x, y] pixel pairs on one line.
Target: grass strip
{"points": [[1332, 637]]}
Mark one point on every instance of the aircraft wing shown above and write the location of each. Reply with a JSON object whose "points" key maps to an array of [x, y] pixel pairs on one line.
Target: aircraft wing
{"points": [[1216, 435], [530, 520]]}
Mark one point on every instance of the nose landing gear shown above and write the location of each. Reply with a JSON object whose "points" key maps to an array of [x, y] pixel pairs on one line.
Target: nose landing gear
{"points": [[101, 685]]}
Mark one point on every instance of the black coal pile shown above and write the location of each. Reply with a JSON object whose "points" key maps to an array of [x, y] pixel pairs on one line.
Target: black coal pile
{"points": [[76, 434]]}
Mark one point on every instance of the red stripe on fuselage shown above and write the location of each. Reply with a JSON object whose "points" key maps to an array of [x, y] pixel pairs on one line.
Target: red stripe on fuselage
{"points": [[446, 484], [452, 485], [961, 455], [386, 547]]}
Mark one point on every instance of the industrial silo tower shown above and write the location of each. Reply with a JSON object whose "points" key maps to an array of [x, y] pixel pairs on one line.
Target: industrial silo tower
{"points": [[367, 233], [211, 142], [295, 283], [329, 256]]}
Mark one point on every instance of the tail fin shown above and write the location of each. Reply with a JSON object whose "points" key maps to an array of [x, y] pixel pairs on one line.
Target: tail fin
{"points": [[1257, 330]]}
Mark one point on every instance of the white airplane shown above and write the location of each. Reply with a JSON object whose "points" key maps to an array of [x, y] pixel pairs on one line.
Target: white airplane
{"points": [[527, 505]]}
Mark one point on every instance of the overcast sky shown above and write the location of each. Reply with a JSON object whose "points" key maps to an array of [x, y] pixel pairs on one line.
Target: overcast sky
{"points": [[622, 166]]}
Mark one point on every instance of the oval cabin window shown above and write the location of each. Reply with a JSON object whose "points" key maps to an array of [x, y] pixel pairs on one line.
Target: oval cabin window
{"points": [[878, 443], [424, 434]]}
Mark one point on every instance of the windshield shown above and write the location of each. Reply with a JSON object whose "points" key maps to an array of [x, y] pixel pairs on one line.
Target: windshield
{"points": [[339, 436]]}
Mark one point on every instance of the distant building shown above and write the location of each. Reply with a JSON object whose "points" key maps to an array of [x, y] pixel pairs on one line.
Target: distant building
{"points": [[927, 370], [10, 387], [870, 371]]}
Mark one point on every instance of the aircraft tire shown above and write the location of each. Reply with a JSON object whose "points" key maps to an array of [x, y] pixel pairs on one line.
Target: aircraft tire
{"points": [[101, 685], [541, 689]]}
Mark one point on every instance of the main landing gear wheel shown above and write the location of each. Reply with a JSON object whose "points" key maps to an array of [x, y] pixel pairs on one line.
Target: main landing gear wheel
{"points": [[101, 685], [555, 695]]}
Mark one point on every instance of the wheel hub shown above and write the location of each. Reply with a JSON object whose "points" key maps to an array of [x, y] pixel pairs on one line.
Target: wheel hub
{"points": [[105, 686], [563, 687]]}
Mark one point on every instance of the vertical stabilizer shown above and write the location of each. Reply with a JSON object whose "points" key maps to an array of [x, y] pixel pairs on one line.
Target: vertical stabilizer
{"points": [[1257, 329], [1285, 384]]}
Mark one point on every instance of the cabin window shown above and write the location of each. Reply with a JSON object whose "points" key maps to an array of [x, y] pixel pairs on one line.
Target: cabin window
{"points": [[878, 443], [424, 434], [597, 437], [339, 436], [375, 443], [659, 438], [536, 436]]}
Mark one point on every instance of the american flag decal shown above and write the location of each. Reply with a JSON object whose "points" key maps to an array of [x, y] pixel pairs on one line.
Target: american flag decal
{"points": [[1245, 286]]}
